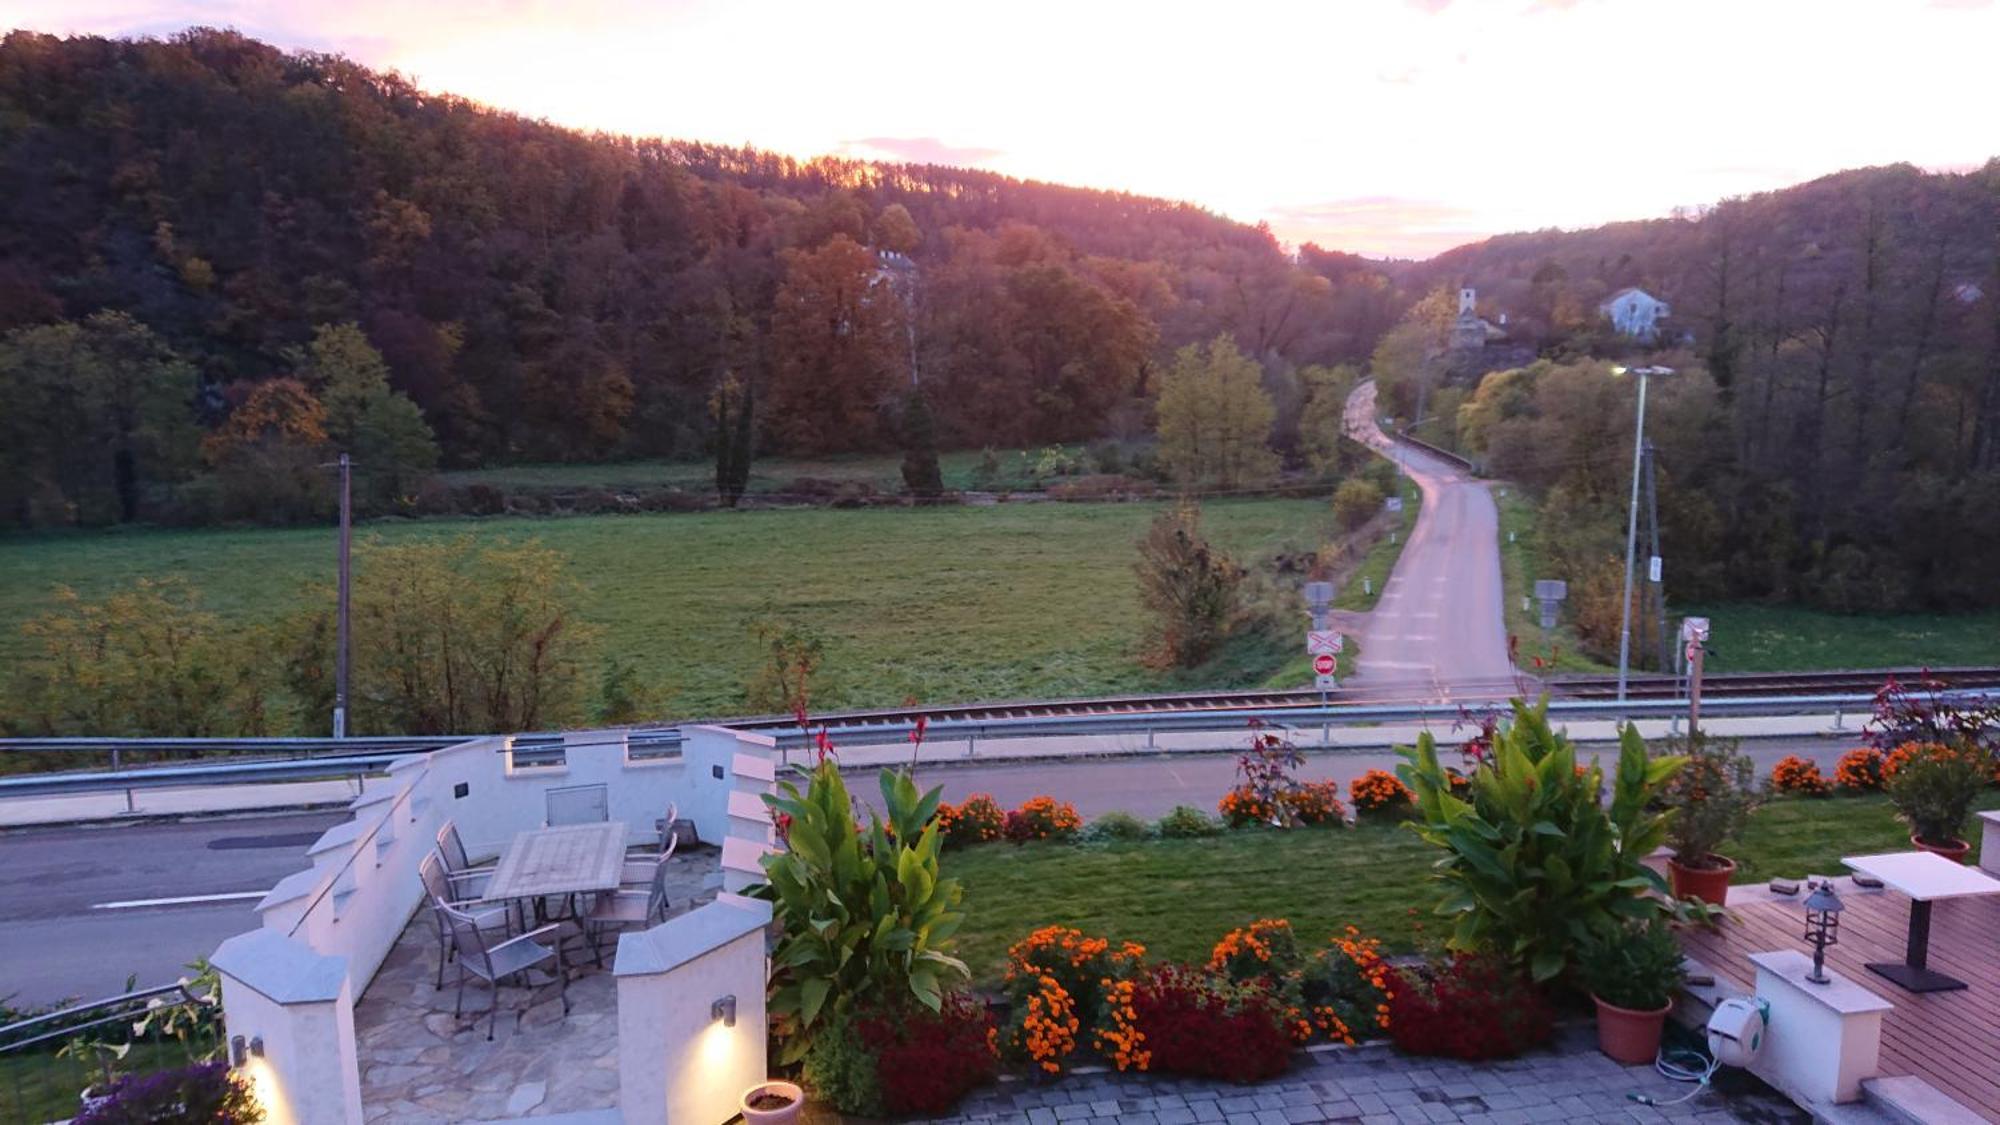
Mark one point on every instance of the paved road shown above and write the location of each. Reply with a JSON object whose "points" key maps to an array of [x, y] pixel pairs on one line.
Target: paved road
{"points": [[56, 941], [1439, 625]]}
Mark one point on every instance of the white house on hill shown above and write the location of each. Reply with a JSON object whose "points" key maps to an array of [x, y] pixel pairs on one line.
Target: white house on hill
{"points": [[1635, 312]]}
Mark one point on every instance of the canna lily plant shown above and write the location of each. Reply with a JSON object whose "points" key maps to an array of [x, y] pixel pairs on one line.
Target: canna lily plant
{"points": [[866, 918], [1536, 865]]}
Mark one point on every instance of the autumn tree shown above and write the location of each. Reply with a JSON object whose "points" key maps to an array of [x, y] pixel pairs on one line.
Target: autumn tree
{"points": [[1215, 418], [921, 475], [379, 427], [1323, 418], [1190, 588], [836, 345], [733, 409], [93, 414], [269, 455]]}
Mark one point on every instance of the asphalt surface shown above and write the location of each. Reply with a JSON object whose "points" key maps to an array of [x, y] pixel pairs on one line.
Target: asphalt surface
{"points": [[1438, 628], [58, 941]]}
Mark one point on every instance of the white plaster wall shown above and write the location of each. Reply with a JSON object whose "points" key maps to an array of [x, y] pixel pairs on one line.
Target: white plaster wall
{"points": [[308, 1073], [676, 1064]]}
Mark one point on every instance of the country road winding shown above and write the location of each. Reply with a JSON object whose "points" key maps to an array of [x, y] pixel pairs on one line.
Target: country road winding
{"points": [[1439, 628]]}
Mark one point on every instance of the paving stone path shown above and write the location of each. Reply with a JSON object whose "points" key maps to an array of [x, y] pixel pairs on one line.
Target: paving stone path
{"points": [[1570, 1081]]}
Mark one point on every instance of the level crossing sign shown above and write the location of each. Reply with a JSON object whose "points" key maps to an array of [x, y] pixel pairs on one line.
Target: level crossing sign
{"points": [[1322, 642]]}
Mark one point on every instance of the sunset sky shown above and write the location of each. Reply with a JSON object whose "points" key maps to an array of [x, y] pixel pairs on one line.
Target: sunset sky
{"points": [[1387, 127]]}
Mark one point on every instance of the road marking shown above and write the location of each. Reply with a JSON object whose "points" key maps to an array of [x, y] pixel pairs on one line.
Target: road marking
{"points": [[132, 904]]}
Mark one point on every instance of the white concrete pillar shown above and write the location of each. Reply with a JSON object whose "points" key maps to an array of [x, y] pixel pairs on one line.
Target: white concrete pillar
{"points": [[681, 1061], [1825, 1039], [297, 1004], [1989, 842]]}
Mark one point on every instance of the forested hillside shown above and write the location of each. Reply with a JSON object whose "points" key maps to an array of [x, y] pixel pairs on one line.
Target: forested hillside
{"points": [[215, 205], [1833, 433]]}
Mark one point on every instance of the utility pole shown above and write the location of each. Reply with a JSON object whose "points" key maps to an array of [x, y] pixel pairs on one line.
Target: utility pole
{"points": [[340, 642], [1653, 567], [1694, 635], [1632, 522]]}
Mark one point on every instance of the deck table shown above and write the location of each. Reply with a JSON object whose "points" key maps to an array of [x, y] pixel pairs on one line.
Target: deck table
{"points": [[1925, 878], [555, 862]]}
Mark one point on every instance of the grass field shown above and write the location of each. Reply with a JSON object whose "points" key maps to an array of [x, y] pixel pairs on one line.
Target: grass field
{"points": [[937, 604], [1177, 897], [1767, 638]]}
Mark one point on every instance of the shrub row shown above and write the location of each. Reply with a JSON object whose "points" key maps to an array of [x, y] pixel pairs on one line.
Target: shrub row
{"points": [[1861, 770]]}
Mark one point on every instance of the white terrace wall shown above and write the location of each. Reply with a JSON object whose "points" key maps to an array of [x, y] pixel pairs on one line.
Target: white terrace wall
{"points": [[352, 904]]}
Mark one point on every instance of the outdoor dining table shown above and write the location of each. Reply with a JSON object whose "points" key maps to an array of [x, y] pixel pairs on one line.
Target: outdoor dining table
{"points": [[1925, 878], [565, 860]]}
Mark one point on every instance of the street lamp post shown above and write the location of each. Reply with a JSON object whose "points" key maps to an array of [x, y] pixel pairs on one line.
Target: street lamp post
{"points": [[1632, 521]]}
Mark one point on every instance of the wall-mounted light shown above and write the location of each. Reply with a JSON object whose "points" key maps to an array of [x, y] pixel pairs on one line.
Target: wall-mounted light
{"points": [[724, 1010], [241, 1050]]}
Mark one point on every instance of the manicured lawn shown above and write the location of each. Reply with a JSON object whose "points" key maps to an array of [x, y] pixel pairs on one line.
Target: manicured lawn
{"points": [[1177, 897], [1026, 600], [1767, 638]]}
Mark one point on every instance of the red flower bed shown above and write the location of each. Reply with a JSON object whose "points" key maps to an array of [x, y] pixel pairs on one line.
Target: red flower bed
{"points": [[1466, 1008], [926, 1061], [1201, 1024]]}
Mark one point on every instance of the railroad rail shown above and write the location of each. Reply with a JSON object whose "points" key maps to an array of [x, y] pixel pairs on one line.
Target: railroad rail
{"points": [[1573, 698]]}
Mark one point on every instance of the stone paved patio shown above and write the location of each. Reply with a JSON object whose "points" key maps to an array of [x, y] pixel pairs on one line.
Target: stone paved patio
{"points": [[419, 1064], [1374, 1085]]}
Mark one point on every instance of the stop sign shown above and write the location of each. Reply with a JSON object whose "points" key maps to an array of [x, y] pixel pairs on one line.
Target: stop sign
{"points": [[1323, 664]]}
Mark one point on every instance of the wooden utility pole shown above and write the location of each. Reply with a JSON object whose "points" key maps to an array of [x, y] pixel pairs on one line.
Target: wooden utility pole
{"points": [[346, 587]]}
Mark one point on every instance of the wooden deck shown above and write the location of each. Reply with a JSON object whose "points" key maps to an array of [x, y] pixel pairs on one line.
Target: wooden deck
{"points": [[1949, 1039]]}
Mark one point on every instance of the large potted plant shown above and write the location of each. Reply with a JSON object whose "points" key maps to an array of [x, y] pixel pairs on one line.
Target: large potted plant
{"points": [[1708, 802], [1933, 792], [1632, 973]]}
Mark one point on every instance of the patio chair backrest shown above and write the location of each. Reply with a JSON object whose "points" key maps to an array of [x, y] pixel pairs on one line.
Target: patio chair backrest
{"points": [[656, 891], [667, 828], [452, 849], [578, 804], [469, 938], [430, 870]]}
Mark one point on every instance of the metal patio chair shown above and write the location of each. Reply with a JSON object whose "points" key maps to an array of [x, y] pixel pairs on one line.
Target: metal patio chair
{"points": [[467, 878], [628, 907], [638, 869], [578, 804], [495, 963], [438, 887]]}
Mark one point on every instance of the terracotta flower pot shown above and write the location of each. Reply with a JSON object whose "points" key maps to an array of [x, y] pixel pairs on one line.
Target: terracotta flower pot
{"points": [[1709, 883], [1956, 851], [768, 1093], [1628, 1036]]}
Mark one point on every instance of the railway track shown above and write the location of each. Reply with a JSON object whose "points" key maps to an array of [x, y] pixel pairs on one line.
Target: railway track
{"points": [[1737, 685]]}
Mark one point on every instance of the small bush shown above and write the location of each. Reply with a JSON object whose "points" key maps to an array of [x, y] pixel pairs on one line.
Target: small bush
{"points": [[1379, 791], [1264, 950], [1799, 776], [1317, 803], [1043, 818], [1187, 822], [840, 1070], [976, 820], [926, 1061], [1116, 826], [482, 500], [1202, 1024], [203, 1092], [1933, 790], [1859, 771], [1355, 502], [1065, 983], [1345, 988], [1243, 806], [1466, 1008]]}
